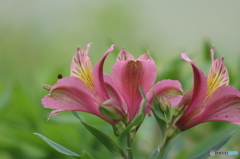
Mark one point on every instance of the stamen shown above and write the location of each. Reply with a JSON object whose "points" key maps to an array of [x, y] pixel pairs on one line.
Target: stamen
{"points": [[212, 53], [46, 87]]}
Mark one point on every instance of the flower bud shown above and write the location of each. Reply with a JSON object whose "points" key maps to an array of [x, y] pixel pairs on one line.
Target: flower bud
{"points": [[166, 108], [164, 103], [112, 111]]}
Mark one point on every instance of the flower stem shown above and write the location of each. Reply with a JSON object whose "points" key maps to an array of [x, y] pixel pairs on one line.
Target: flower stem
{"points": [[130, 149], [169, 135], [163, 147]]}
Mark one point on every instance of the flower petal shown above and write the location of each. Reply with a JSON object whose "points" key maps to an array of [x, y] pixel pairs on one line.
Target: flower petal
{"points": [[145, 57], [198, 94], [70, 94], [127, 75], [54, 113], [170, 89], [186, 58], [186, 99], [199, 88], [113, 94], [108, 79], [81, 67], [218, 76], [223, 106], [98, 75], [123, 55]]}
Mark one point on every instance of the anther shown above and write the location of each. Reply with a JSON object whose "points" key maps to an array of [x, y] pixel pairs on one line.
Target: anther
{"points": [[47, 87]]}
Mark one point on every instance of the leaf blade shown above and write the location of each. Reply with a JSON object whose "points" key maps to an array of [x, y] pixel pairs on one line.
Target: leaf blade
{"points": [[56, 146], [216, 147], [102, 137], [86, 155]]}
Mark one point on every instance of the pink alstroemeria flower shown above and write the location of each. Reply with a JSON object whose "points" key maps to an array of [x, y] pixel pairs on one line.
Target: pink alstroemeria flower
{"points": [[85, 90], [128, 73], [211, 98]]}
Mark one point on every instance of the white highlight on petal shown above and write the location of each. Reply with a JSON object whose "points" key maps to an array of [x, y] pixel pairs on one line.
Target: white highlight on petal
{"points": [[185, 57]]}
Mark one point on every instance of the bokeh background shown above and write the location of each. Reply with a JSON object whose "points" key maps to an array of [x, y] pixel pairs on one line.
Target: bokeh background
{"points": [[39, 38]]}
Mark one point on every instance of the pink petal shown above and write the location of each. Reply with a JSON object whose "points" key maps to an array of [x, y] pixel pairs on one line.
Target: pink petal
{"points": [[145, 57], [127, 75], [108, 79], [186, 58], [170, 89], [98, 75], [223, 106], [113, 94], [186, 99], [199, 89], [218, 76], [54, 113], [123, 55], [198, 94], [70, 94], [81, 64]]}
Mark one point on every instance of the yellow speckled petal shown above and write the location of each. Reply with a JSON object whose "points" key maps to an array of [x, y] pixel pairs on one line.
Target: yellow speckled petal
{"points": [[81, 67], [218, 76]]}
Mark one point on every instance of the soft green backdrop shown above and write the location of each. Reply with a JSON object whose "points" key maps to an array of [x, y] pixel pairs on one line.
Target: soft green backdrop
{"points": [[39, 38]]}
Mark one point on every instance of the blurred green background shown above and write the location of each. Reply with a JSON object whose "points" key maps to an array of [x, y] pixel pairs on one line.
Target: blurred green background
{"points": [[39, 38]]}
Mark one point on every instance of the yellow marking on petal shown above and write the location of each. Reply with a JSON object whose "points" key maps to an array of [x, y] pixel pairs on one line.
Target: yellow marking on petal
{"points": [[82, 68], [85, 74], [218, 76]]}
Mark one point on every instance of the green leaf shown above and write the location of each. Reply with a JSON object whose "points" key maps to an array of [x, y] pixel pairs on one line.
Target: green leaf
{"points": [[103, 138], [159, 116], [123, 137], [155, 153], [162, 125], [206, 153], [86, 155], [58, 147], [143, 107], [142, 92], [106, 140], [157, 108]]}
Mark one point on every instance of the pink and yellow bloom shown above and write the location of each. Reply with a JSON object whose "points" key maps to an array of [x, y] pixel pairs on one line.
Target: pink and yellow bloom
{"points": [[89, 89], [84, 90], [211, 98]]}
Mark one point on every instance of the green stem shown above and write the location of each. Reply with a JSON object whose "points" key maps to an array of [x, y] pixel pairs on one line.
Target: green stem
{"points": [[163, 147], [169, 135], [130, 149]]}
